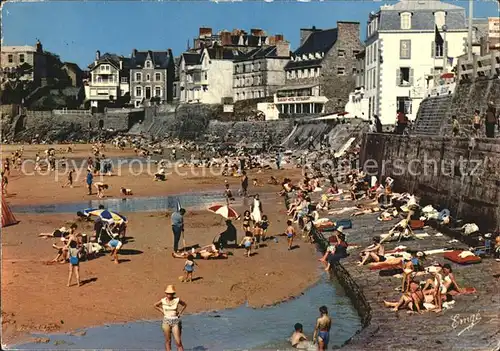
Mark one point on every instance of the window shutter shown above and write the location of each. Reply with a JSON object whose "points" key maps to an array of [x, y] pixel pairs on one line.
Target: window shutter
{"points": [[433, 49], [398, 77], [411, 76], [409, 49]]}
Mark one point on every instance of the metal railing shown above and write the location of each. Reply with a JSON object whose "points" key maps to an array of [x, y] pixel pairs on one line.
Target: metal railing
{"points": [[479, 66]]}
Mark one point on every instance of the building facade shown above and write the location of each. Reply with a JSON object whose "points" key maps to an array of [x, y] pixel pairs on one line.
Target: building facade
{"points": [[74, 73], [261, 72], [207, 77], [152, 76], [320, 73], [357, 105], [409, 45], [109, 81]]}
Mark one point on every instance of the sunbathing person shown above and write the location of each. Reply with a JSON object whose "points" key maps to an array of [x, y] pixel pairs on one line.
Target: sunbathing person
{"points": [[375, 252], [366, 210], [205, 252], [435, 288], [413, 299], [273, 181], [58, 233], [449, 281]]}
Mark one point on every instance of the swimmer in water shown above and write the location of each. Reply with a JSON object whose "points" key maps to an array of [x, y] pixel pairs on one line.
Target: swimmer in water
{"points": [[322, 329], [297, 336]]}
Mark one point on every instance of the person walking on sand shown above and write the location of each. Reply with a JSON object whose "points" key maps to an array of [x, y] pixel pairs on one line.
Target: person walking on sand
{"points": [[89, 180], [256, 209], [70, 179], [172, 324], [290, 233], [74, 262], [189, 268], [178, 227], [247, 242], [322, 329], [244, 184]]}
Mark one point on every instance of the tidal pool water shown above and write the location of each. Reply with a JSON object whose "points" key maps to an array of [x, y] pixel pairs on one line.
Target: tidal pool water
{"points": [[241, 328]]}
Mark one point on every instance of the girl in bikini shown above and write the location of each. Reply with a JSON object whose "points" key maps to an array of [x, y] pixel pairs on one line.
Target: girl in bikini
{"points": [[246, 221]]}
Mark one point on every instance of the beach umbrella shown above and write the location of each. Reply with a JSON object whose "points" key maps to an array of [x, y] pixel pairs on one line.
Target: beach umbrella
{"points": [[106, 215], [224, 211]]}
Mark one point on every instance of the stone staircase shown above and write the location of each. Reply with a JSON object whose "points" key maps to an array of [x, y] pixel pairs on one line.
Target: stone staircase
{"points": [[432, 115]]}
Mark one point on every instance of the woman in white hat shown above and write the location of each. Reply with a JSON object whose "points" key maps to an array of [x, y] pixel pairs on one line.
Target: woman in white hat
{"points": [[169, 306]]}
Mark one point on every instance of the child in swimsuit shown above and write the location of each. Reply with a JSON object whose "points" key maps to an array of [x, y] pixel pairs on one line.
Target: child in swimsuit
{"points": [[246, 221], [247, 243], [290, 233], [189, 268], [264, 224], [228, 194], [322, 329], [257, 233]]}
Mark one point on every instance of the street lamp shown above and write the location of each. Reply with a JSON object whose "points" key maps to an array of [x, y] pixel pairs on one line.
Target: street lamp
{"points": [[444, 28]]}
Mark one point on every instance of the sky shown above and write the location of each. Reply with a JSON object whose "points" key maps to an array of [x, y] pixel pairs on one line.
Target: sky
{"points": [[76, 29]]}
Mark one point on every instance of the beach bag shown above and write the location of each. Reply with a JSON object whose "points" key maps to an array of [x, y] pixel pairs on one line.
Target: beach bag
{"points": [[345, 223], [416, 224]]}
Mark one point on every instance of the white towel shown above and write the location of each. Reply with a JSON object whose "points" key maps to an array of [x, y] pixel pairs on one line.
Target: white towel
{"points": [[464, 254]]}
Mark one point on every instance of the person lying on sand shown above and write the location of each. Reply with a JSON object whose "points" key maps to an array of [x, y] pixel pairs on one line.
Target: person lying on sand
{"points": [[205, 252], [58, 233]]}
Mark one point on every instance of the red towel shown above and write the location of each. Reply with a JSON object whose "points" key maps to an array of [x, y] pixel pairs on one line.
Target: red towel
{"points": [[384, 265], [416, 224], [454, 257], [468, 291]]}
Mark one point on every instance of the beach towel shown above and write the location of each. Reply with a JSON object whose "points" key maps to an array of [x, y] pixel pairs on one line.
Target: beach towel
{"points": [[385, 265], [345, 223], [467, 291], [416, 224], [454, 256]]}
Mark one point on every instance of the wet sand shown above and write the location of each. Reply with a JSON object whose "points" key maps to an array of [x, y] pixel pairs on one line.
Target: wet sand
{"points": [[35, 296]]}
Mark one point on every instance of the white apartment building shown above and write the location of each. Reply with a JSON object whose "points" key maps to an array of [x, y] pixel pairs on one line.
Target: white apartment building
{"points": [[109, 80], [403, 57], [207, 77]]}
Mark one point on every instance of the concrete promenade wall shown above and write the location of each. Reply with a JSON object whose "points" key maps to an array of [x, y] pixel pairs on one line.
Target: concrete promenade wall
{"points": [[459, 173]]}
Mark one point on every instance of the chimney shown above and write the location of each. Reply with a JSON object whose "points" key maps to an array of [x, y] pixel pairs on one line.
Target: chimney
{"points": [[305, 32], [283, 49], [278, 38], [348, 28], [205, 32], [225, 38], [39, 47], [97, 55], [271, 40], [134, 53], [121, 65]]}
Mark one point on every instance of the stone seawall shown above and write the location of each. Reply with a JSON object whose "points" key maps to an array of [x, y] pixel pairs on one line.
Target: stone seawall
{"points": [[60, 126], [458, 173]]}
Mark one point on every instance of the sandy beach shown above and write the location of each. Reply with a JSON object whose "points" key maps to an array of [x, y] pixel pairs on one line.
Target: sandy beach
{"points": [[126, 292]]}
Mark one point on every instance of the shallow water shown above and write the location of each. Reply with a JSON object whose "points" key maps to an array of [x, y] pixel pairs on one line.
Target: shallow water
{"points": [[236, 329], [192, 201]]}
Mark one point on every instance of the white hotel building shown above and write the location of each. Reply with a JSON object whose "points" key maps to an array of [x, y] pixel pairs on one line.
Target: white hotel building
{"points": [[402, 57]]}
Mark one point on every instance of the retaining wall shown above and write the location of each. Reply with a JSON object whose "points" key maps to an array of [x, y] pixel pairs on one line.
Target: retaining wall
{"points": [[458, 173]]}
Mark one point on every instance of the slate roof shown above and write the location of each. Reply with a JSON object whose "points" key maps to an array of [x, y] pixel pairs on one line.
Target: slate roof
{"points": [[72, 65], [318, 41], [191, 58], [264, 52], [159, 58], [112, 59], [227, 53], [422, 15]]}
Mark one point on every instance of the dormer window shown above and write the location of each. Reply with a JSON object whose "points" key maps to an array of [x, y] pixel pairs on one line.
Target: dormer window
{"points": [[304, 57], [440, 19], [405, 20], [148, 64]]}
